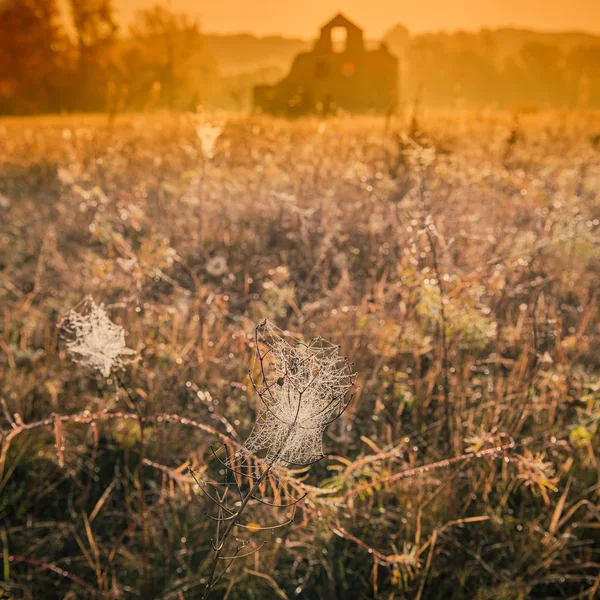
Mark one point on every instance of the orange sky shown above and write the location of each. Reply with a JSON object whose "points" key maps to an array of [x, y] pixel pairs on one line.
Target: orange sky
{"points": [[302, 18]]}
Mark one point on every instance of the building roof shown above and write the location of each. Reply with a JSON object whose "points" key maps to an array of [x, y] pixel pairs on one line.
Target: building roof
{"points": [[341, 21]]}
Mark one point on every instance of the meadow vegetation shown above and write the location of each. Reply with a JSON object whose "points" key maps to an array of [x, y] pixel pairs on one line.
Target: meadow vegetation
{"points": [[455, 259]]}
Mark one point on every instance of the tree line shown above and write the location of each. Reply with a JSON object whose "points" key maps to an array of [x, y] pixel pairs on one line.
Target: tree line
{"points": [[502, 68], [83, 61], [49, 64]]}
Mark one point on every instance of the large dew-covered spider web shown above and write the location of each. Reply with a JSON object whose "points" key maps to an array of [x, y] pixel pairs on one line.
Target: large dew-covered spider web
{"points": [[303, 387]]}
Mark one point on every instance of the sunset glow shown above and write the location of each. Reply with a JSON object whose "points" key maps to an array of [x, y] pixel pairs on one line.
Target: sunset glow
{"points": [[273, 17]]}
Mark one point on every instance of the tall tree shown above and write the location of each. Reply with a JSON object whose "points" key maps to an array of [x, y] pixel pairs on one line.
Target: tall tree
{"points": [[94, 23], [33, 55], [169, 49], [96, 31]]}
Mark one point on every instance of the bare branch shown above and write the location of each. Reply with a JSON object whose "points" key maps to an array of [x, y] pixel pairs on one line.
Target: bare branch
{"points": [[281, 505], [243, 555]]}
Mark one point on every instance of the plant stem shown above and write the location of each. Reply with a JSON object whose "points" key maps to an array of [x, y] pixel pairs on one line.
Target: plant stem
{"points": [[442, 327], [229, 529], [143, 509]]}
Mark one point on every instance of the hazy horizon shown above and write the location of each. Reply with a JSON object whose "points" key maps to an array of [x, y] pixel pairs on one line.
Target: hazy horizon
{"points": [[273, 18]]}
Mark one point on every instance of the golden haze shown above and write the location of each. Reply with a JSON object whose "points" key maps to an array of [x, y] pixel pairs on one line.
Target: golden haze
{"points": [[266, 17]]}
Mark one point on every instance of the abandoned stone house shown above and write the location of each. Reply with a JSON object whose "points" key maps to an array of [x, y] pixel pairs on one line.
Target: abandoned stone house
{"points": [[339, 72]]}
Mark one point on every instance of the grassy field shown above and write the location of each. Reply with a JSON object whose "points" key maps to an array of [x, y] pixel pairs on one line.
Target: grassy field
{"points": [[456, 260]]}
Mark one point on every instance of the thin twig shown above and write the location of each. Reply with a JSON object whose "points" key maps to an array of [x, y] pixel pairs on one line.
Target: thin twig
{"points": [[442, 327], [430, 467]]}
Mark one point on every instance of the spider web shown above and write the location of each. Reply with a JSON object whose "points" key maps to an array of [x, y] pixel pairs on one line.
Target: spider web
{"points": [[303, 387], [93, 340]]}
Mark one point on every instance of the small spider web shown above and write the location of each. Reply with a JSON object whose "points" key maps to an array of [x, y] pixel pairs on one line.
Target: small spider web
{"points": [[93, 340]]}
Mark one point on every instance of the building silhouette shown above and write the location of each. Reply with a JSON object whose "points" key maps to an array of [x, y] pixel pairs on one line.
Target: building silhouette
{"points": [[339, 72]]}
